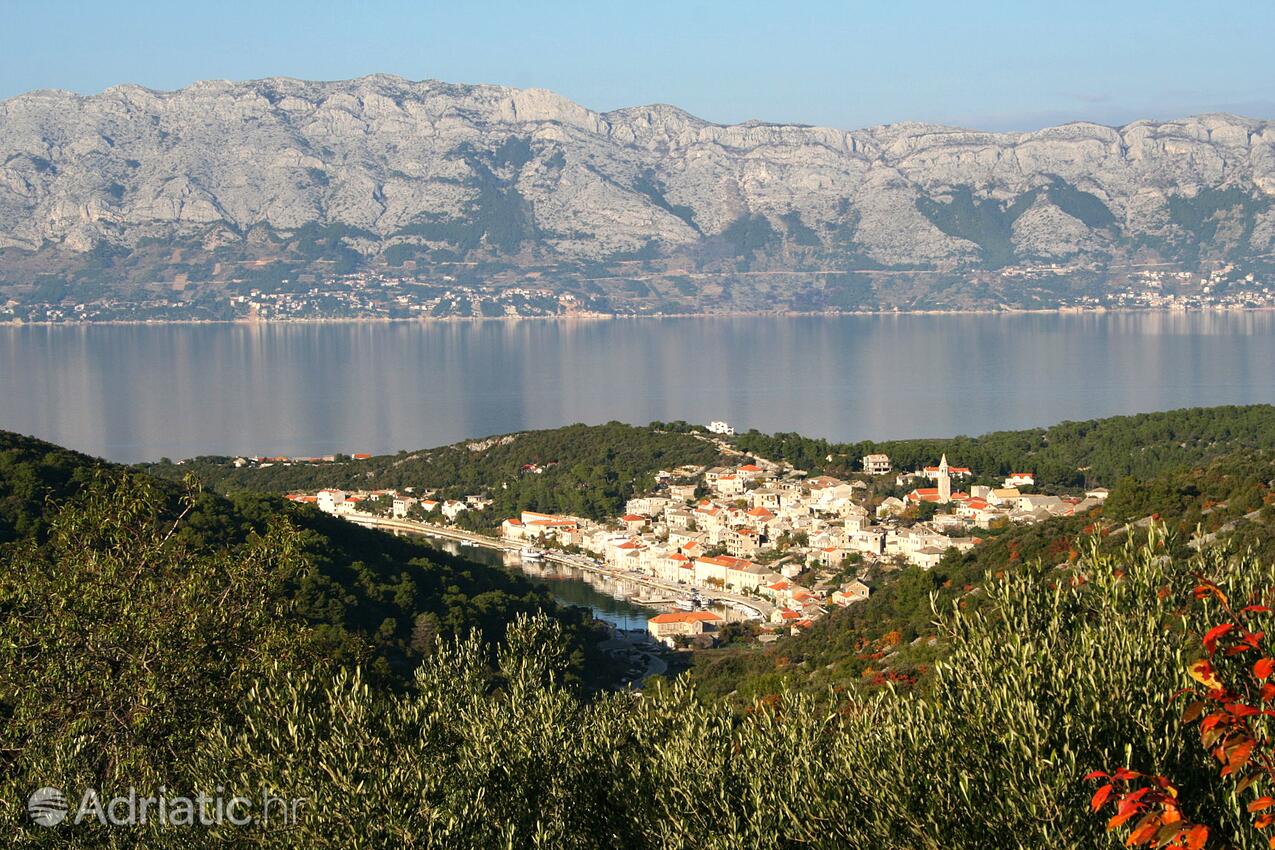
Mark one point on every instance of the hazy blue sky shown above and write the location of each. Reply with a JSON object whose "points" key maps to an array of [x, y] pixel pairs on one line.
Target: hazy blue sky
{"points": [[999, 65]]}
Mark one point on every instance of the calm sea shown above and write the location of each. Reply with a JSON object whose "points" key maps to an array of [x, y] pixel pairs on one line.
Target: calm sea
{"points": [[141, 392]]}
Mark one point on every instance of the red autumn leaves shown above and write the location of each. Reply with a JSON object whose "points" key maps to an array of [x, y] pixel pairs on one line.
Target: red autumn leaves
{"points": [[1228, 713], [1155, 805]]}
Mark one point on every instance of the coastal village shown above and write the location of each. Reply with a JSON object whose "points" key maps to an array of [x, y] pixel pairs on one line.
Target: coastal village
{"points": [[760, 537], [457, 291]]}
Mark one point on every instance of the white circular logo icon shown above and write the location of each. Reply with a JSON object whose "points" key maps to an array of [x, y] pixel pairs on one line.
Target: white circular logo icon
{"points": [[47, 806]]}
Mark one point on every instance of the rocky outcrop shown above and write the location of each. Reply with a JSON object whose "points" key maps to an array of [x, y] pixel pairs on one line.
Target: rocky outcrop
{"points": [[529, 175]]}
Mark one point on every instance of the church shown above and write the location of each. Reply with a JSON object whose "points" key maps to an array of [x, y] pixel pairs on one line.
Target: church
{"points": [[941, 494]]}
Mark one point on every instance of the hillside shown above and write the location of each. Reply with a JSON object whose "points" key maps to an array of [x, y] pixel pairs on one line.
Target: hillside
{"points": [[1067, 455], [491, 200], [368, 597], [153, 637], [1195, 467], [118, 686], [584, 470], [893, 636], [590, 470]]}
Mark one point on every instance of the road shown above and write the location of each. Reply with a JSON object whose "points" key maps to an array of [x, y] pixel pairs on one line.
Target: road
{"points": [[763, 608]]}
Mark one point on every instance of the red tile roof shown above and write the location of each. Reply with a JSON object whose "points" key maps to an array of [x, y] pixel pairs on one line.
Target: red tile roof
{"points": [[727, 561], [685, 617]]}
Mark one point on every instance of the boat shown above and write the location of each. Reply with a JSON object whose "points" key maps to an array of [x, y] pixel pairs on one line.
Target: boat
{"points": [[691, 603], [532, 555]]}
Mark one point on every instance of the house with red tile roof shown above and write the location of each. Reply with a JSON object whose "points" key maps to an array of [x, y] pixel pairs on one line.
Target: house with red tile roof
{"points": [[931, 494], [729, 485], [731, 573], [932, 472], [786, 616], [674, 567], [850, 593], [669, 626]]}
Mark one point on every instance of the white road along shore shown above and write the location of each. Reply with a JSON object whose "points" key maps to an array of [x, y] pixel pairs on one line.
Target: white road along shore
{"points": [[762, 607]]}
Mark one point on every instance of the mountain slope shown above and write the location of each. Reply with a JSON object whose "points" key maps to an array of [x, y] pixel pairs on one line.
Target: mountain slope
{"points": [[220, 180]]}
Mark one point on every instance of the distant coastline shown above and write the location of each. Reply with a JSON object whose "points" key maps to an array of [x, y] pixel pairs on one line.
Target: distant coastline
{"points": [[600, 317]]}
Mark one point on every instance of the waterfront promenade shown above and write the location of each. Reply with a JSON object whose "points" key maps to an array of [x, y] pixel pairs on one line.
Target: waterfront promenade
{"points": [[762, 607]]}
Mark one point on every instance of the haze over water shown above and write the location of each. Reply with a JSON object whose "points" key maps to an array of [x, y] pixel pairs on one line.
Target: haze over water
{"points": [[136, 392]]}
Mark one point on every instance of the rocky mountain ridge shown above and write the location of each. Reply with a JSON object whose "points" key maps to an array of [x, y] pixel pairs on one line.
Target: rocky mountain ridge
{"points": [[140, 187]]}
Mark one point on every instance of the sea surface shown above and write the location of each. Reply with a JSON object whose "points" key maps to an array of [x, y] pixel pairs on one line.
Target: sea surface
{"points": [[607, 598], [138, 392]]}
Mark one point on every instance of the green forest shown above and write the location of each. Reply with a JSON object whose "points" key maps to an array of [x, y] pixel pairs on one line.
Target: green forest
{"points": [[587, 471], [1066, 455], [189, 633], [369, 598]]}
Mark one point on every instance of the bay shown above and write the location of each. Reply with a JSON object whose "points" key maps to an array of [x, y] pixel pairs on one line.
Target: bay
{"points": [[139, 392]]}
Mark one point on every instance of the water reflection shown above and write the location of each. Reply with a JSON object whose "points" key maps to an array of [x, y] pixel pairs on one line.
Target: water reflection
{"points": [[609, 597], [138, 392], [605, 597]]}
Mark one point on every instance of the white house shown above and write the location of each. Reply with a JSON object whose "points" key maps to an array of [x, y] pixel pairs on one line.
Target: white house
{"points": [[329, 499], [453, 509], [401, 505], [682, 492], [729, 485], [855, 591], [876, 464], [647, 505], [1036, 501]]}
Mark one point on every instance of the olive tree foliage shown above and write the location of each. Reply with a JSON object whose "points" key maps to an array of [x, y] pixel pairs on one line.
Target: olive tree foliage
{"points": [[1062, 673], [1065, 672], [463, 760], [120, 647]]}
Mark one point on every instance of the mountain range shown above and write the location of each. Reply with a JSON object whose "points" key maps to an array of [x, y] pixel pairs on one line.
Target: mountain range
{"points": [[280, 183]]}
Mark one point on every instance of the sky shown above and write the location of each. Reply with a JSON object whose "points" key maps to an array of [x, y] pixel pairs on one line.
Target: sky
{"points": [[990, 65]]}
